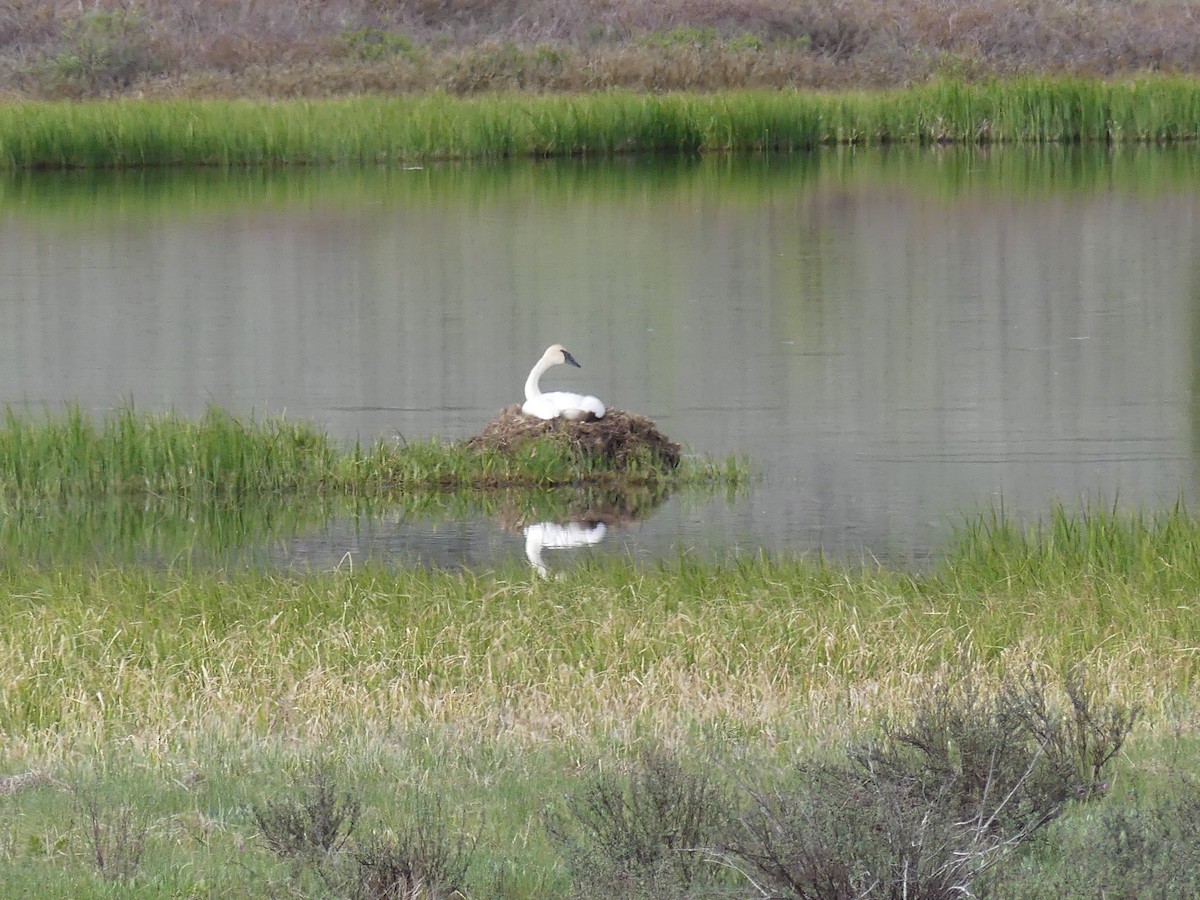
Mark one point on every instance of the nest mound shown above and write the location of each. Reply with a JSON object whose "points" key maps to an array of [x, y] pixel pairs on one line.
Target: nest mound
{"points": [[617, 440]]}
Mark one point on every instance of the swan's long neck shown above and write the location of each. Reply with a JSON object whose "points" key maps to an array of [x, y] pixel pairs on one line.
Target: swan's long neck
{"points": [[531, 383]]}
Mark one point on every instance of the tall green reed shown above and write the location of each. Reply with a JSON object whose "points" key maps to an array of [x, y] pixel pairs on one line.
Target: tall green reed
{"points": [[1093, 545], [396, 129], [131, 452]]}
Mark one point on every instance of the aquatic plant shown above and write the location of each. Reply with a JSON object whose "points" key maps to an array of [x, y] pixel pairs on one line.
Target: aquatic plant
{"points": [[430, 127], [221, 457], [131, 452], [1095, 545]]}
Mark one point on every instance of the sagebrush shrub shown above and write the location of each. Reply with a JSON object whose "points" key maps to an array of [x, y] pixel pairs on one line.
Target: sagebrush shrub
{"points": [[317, 821], [644, 833], [426, 857], [924, 811]]}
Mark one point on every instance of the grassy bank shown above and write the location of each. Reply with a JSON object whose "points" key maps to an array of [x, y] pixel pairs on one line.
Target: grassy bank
{"points": [[184, 699], [432, 127]]}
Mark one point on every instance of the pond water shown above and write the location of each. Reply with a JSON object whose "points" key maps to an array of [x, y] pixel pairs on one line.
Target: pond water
{"points": [[897, 339]]}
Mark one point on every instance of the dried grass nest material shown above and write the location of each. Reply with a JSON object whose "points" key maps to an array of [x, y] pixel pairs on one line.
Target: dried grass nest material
{"points": [[618, 439]]}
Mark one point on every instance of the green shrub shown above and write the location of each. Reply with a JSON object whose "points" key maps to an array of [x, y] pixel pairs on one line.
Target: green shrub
{"points": [[427, 857], [745, 42], [1145, 846], [103, 51], [490, 66], [376, 44], [115, 837]]}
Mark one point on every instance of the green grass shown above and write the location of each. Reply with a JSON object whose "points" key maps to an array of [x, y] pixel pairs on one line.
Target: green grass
{"points": [[163, 490], [162, 455], [202, 839], [399, 129], [221, 457], [747, 645], [1095, 546]]}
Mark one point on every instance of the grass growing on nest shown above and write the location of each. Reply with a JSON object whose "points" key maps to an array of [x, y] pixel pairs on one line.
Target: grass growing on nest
{"points": [[223, 457], [374, 129]]}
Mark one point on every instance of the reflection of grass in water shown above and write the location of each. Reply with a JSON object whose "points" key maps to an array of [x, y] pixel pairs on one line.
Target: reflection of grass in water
{"points": [[163, 530], [60, 199], [611, 505], [150, 530]]}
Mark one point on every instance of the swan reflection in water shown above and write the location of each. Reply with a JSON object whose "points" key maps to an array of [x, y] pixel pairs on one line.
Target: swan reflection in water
{"points": [[570, 518], [559, 536]]}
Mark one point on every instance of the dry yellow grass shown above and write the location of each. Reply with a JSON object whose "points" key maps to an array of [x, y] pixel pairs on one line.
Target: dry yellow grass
{"points": [[162, 662]]}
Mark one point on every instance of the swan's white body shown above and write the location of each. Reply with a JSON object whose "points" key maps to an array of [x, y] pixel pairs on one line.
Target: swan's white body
{"points": [[553, 536], [576, 407]]}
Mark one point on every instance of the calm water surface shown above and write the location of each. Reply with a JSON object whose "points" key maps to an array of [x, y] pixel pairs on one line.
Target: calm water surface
{"points": [[896, 339]]}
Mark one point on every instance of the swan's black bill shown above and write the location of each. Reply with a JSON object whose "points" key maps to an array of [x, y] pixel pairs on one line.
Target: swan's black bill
{"points": [[570, 360]]}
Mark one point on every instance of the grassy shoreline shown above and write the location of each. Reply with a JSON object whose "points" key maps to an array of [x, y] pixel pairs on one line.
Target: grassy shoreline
{"points": [[412, 129], [128, 654], [188, 697]]}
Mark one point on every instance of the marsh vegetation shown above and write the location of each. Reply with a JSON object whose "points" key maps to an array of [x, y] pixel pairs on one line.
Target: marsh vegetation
{"points": [[407, 129], [163, 489], [323, 733], [1017, 719], [662, 730], [164, 455]]}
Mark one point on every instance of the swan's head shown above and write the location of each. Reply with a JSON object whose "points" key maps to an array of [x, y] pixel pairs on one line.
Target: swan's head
{"points": [[557, 354]]}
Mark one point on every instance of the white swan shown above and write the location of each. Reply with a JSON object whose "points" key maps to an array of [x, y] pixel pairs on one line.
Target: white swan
{"points": [[576, 407], [554, 536]]}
